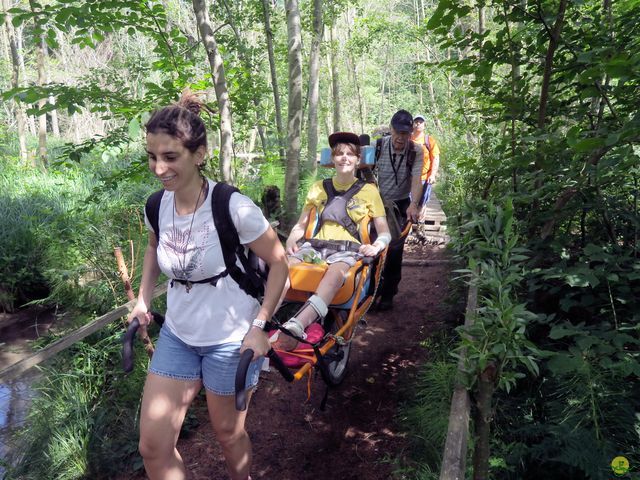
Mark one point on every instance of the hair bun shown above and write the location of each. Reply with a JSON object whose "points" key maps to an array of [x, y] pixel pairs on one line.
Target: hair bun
{"points": [[191, 102]]}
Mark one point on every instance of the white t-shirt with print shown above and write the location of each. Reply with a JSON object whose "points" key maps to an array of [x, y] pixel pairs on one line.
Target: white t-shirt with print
{"points": [[207, 315]]}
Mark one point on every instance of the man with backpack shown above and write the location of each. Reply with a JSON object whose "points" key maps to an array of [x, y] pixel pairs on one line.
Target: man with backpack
{"points": [[398, 166], [431, 153]]}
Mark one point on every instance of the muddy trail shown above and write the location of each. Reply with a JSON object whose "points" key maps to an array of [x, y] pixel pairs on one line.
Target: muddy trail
{"points": [[357, 436]]}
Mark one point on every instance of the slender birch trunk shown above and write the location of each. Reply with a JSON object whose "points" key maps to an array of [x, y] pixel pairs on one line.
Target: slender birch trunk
{"points": [[31, 123], [42, 117], [294, 117], [335, 84], [314, 85], [274, 78], [15, 82], [55, 127], [220, 86], [242, 52]]}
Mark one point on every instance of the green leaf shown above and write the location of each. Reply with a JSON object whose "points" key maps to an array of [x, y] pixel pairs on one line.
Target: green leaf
{"points": [[588, 144], [134, 129], [561, 332]]}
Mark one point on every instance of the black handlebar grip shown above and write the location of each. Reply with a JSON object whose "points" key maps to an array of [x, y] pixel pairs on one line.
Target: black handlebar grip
{"points": [[158, 318], [241, 377], [280, 366], [127, 345]]}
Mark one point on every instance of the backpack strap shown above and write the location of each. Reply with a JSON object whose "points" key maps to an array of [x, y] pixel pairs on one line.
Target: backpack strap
{"points": [[232, 249], [152, 209], [411, 156], [378, 150], [336, 207]]}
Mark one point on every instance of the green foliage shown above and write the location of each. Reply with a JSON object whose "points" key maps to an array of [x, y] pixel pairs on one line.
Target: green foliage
{"points": [[80, 438], [425, 417], [569, 163], [488, 240]]}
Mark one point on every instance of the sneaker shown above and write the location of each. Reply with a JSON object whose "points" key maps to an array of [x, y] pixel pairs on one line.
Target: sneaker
{"points": [[385, 303]]}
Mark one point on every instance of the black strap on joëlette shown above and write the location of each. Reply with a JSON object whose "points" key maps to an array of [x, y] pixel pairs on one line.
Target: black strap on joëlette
{"points": [[337, 245], [335, 209]]}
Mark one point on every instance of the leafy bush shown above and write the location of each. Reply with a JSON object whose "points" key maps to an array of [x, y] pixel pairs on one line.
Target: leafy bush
{"points": [[81, 438]]}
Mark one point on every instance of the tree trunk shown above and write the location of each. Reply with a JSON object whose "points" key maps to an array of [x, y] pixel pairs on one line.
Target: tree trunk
{"points": [[42, 117], [314, 85], [484, 416], [356, 80], [335, 83], [220, 86], [548, 63], [55, 128], [242, 52], [432, 96], [31, 123], [294, 117], [274, 76], [15, 82], [383, 82]]}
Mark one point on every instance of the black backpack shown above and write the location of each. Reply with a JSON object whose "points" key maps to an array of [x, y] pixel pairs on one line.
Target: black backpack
{"points": [[254, 276], [411, 154]]}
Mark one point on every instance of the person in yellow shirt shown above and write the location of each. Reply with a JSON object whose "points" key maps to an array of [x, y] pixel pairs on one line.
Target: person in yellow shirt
{"points": [[336, 241], [431, 157]]}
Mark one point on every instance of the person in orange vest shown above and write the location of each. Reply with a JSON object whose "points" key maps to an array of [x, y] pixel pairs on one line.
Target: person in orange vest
{"points": [[431, 161]]}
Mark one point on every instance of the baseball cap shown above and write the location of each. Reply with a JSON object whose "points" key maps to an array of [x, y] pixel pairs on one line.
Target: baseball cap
{"points": [[419, 117], [343, 137], [402, 121]]}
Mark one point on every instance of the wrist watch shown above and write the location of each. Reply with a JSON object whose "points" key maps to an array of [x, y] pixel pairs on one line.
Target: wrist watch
{"points": [[259, 323]]}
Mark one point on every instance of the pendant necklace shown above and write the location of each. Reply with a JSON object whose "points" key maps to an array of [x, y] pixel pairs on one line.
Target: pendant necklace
{"points": [[183, 263]]}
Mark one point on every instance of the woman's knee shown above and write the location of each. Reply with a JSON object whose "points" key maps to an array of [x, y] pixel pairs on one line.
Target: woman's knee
{"points": [[151, 447], [229, 437]]}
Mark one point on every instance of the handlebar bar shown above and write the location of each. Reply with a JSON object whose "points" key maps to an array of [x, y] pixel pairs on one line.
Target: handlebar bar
{"points": [[241, 375], [127, 345], [128, 353]]}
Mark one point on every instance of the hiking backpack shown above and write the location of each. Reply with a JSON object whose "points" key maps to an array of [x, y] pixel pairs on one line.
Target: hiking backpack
{"points": [[253, 274], [411, 154]]}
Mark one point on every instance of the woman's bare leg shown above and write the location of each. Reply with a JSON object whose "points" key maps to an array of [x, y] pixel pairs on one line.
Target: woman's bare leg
{"points": [[228, 425], [164, 405]]}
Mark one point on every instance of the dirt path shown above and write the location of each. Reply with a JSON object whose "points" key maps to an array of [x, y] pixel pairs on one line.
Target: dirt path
{"points": [[357, 436]]}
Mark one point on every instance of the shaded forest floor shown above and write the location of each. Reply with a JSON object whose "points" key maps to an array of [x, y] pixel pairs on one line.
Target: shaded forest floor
{"points": [[358, 435]]}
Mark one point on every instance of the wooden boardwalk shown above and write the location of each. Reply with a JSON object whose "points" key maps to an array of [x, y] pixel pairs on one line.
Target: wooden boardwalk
{"points": [[433, 228]]}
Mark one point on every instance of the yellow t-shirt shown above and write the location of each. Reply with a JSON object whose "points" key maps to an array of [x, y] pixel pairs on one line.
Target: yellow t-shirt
{"points": [[366, 202]]}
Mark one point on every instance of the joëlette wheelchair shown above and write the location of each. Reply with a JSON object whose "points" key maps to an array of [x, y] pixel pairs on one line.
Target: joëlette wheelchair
{"points": [[327, 347]]}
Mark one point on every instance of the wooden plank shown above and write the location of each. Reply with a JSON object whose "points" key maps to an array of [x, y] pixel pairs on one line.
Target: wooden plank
{"points": [[409, 262], [49, 351], [455, 448]]}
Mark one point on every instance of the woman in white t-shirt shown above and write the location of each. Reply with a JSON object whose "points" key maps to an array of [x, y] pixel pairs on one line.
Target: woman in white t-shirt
{"points": [[206, 326]]}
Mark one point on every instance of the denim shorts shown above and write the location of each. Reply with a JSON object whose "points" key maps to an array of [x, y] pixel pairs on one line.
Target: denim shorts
{"points": [[215, 365]]}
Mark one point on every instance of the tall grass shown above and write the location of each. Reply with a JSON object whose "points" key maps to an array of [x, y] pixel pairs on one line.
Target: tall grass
{"points": [[83, 423], [58, 238]]}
